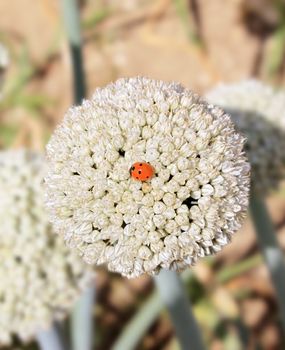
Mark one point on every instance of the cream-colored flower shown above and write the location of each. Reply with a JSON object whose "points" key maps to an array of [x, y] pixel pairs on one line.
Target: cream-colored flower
{"points": [[190, 208], [39, 278], [258, 111]]}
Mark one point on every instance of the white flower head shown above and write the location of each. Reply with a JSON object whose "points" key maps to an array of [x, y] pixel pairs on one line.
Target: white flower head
{"points": [[39, 278], [190, 208], [258, 111]]}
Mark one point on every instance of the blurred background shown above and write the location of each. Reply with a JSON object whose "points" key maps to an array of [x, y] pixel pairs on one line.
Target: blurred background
{"points": [[198, 43]]}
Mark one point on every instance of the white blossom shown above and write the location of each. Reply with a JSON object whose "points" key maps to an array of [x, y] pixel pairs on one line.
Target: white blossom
{"points": [[191, 207], [39, 278], [258, 111]]}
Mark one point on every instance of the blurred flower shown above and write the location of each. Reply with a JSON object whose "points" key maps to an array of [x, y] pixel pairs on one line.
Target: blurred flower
{"points": [[39, 278], [190, 208], [258, 111]]}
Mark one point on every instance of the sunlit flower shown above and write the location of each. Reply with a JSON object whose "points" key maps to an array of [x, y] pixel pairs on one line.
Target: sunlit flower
{"points": [[258, 111], [39, 278], [190, 208]]}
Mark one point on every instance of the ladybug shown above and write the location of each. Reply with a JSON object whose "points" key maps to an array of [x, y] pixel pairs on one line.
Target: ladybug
{"points": [[141, 171]]}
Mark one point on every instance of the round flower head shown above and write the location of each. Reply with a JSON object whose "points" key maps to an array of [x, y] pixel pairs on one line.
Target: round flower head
{"points": [[189, 208], [258, 112], [39, 278]]}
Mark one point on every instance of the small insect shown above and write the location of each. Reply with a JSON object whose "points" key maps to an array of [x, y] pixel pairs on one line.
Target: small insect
{"points": [[141, 171]]}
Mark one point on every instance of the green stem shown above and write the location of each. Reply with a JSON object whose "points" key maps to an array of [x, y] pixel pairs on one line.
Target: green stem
{"points": [[72, 24], [237, 269], [139, 324], [143, 319], [82, 321], [174, 297], [275, 57], [182, 10], [49, 339], [270, 249], [151, 308]]}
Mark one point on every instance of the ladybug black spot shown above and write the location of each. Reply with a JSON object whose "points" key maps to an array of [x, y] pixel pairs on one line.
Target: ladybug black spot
{"points": [[137, 178], [147, 177], [140, 172], [133, 168], [140, 164]]}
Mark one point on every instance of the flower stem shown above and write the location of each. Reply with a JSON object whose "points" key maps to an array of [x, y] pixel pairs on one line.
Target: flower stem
{"points": [[139, 324], [82, 326], [275, 57], [72, 25], [270, 249], [182, 10], [82, 323], [50, 339], [142, 320], [148, 312], [229, 272], [173, 295]]}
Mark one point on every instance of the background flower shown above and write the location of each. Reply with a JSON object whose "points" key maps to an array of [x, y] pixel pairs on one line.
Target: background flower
{"points": [[192, 206], [258, 111], [39, 279]]}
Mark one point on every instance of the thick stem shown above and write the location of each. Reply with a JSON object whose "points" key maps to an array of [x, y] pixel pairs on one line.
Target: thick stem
{"points": [[82, 325], [142, 320], [82, 321], [270, 249], [72, 25], [50, 339], [139, 324], [149, 311], [173, 296]]}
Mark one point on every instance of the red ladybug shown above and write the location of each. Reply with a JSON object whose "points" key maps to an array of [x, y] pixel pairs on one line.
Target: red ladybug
{"points": [[141, 171]]}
